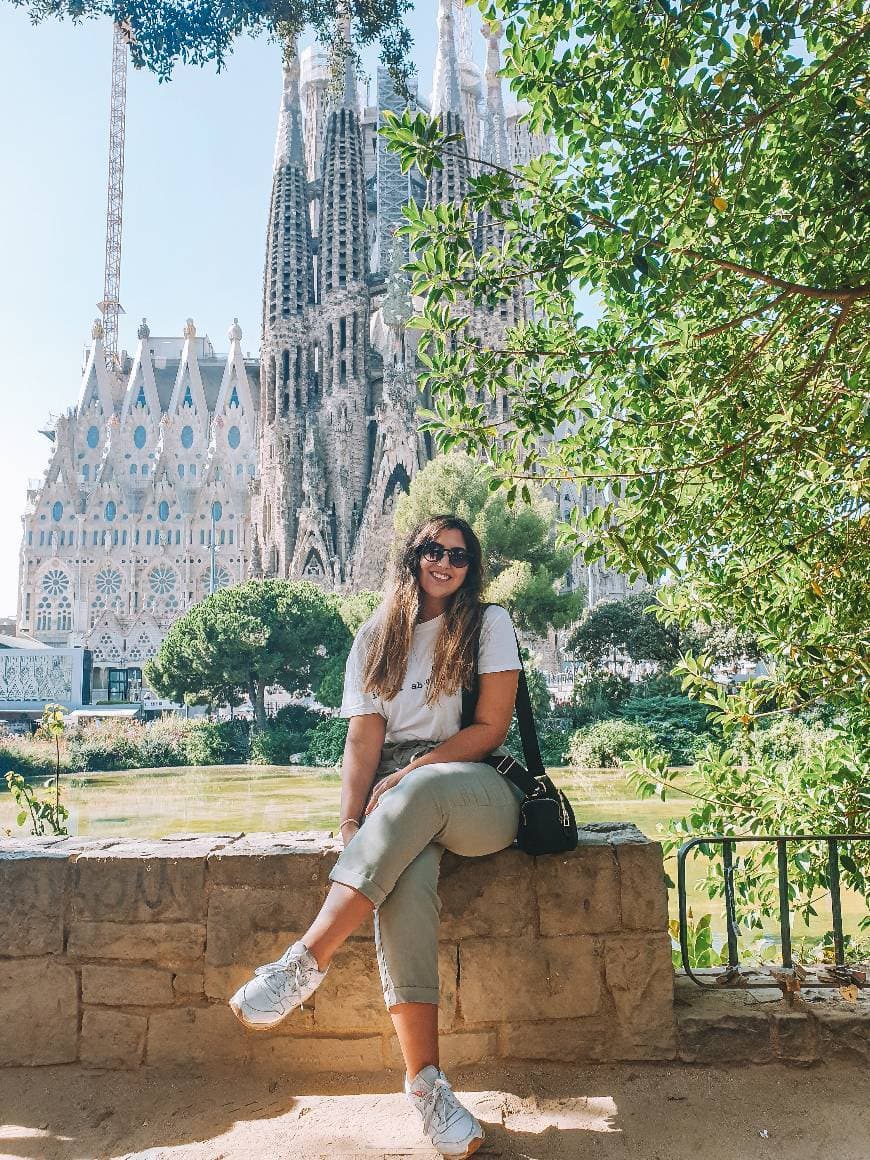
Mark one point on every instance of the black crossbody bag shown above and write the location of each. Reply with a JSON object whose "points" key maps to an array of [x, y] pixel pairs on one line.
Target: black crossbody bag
{"points": [[547, 824]]}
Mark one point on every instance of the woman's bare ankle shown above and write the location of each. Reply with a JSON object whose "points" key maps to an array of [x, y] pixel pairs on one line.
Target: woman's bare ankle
{"points": [[318, 952]]}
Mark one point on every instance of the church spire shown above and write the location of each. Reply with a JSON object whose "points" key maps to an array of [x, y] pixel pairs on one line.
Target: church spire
{"points": [[345, 301], [343, 249], [349, 98], [463, 31], [288, 145], [495, 139], [342, 67], [449, 183], [446, 97], [288, 286]]}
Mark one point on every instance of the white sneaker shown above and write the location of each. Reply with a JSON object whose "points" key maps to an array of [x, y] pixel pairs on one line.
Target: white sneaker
{"points": [[451, 1127], [277, 988]]}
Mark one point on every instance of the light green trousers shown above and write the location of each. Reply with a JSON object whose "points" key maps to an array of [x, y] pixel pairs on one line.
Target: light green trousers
{"points": [[394, 858]]}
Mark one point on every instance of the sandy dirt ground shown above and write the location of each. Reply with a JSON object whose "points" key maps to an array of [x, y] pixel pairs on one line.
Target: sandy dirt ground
{"points": [[642, 1111]]}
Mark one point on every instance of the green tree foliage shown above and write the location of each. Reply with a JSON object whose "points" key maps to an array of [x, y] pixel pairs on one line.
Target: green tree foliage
{"points": [[534, 598], [174, 31], [820, 788], [241, 640], [526, 568], [619, 629], [539, 694], [597, 696], [356, 608], [706, 191]]}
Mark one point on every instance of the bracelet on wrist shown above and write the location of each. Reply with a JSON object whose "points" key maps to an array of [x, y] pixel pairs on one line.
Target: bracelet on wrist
{"points": [[348, 821]]}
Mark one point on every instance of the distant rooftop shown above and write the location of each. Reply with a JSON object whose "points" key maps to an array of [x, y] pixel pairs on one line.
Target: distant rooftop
{"points": [[171, 347], [21, 642]]}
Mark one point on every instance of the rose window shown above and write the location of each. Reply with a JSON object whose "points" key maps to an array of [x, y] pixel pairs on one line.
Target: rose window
{"points": [[108, 582], [162, 580], [55, 582], [222, 579]]}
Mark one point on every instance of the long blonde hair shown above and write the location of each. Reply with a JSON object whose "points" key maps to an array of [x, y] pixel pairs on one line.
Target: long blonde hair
{"points": [[389, 638]]}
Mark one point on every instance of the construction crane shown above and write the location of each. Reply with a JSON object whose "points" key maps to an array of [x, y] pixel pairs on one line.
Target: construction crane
{"points": [[110, 307]]}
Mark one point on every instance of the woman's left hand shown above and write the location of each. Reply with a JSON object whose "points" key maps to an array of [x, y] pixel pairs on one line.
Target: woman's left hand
{"points": [[383, 785]]}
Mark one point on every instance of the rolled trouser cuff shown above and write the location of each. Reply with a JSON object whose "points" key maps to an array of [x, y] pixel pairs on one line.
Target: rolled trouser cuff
{"points": [[367, 886], [395, 995]]}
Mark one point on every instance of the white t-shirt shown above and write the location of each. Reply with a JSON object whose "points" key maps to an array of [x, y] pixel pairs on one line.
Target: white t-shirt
{"points": [[407, 715]]}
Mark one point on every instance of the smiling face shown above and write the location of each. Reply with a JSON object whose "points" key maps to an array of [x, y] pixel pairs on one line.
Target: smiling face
{"points": [[439, 581]]}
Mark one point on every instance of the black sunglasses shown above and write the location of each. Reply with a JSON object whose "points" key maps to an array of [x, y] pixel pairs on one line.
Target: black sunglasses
{"points": [[434, 552]]}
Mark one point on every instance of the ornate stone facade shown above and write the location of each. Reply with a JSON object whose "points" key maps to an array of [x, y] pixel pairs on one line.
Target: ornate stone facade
{"points": [[150, 469], [298, 456], [338, 434]]}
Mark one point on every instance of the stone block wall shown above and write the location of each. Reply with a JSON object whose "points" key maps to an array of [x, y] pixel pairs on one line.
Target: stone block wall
{"points": [[121, 953], [720, 1026]]}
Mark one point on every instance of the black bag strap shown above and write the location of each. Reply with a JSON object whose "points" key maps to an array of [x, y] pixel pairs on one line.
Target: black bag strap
{"points": [[525, 717]]}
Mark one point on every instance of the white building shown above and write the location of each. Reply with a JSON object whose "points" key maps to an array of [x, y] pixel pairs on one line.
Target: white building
{"points": [[150, 469]]}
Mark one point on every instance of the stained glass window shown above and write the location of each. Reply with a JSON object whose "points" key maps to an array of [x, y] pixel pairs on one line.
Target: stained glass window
{"points": [[55, 582]]}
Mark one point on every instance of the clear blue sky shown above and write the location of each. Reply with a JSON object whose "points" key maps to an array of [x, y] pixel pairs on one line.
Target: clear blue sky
{"points": [[197, 180]]}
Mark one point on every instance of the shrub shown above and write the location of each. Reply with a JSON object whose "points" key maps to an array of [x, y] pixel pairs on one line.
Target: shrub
{"points": [[126, 744], [597, 697], [554, 736], [658, 685], [27, 755], [680, 724], [681, 746], [276, 746], [162, 742], [608, 743], [106, 745], [326, 743], [789, 737], [297, 718], [678, 711], [217, 742]]}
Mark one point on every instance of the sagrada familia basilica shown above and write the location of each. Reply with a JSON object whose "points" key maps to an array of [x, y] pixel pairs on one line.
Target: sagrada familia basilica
{"points": [[179, 471]]}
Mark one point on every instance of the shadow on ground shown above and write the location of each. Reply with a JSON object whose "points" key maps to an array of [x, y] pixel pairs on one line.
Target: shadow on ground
{"points": [[642, 1111]]}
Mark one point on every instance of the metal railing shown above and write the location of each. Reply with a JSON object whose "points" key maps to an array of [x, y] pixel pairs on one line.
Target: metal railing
{"points": [[790, 975]]}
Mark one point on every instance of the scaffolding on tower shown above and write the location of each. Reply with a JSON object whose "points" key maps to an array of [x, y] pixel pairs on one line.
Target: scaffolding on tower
{"points": [[110, 307]]}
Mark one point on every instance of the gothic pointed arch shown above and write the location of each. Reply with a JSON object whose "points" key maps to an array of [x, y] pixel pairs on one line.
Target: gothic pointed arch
{"points": [[141, 400], [399, 483], [95, 392], [314, 567], [188, 400]]}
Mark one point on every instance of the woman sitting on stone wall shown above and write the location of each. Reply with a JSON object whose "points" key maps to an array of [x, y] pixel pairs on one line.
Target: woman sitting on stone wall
{"points": [[413, 785]]}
